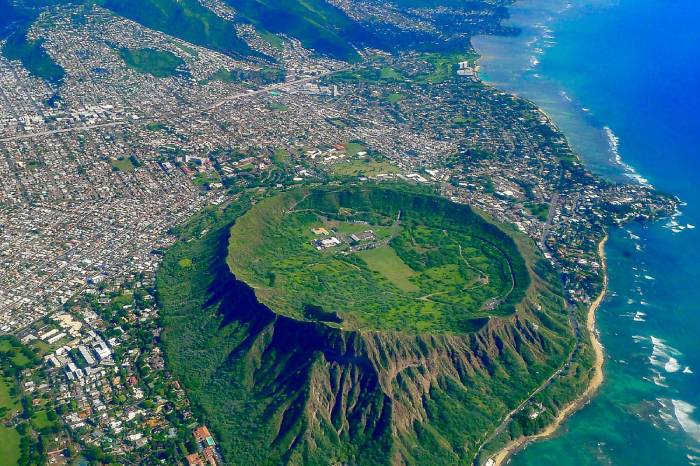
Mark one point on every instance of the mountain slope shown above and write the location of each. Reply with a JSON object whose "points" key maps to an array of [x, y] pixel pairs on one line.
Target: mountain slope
{"points": [[184, 19], [316, 23]]}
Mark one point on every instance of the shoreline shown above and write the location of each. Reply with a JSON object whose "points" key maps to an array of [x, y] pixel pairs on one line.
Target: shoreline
{"points": [[514, 446]]}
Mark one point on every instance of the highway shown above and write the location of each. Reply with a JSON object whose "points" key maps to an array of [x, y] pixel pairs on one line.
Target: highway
{"points": [[219, 103]]}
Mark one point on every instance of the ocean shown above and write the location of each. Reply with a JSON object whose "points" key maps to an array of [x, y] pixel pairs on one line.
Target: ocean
{"points": [[621, 78]]}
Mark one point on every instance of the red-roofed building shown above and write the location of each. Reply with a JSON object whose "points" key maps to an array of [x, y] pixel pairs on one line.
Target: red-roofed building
{"points": [[209, 455], [201, 434], [195, 460]]}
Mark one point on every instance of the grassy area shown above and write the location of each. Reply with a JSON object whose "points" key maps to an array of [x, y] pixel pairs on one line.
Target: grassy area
{"points": [[444, 66], [272, 39], [8, 403], [388, 264], [539, 210], [395, 97], [158, 63], [188, 50], [225, 76], [364, 167], [464, 121], [122, 300], [266, 75], [123, 164], [40, 420], [390, 74], [20, 357], [43, 348], [155, 127], [281, 157], [185, 262], [15, 443], [277, 107], [429, 277], [353, 148], [9, 446], [206, 178], [370, 75]]}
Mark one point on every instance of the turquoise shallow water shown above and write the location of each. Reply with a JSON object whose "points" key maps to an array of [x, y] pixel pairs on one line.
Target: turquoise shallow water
{"points": [[622, 79]]}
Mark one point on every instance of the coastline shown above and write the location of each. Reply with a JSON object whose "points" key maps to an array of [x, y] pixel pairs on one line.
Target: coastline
{"points": [[516, 445]]}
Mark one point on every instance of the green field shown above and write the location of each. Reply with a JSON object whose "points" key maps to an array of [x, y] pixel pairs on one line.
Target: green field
{"points": [[272, 39], [395, 97], [8, 403], [14, 356], [364, 167], [19, 355], [353, 148], [413, 272], [389, 265], [9, 446], [541, 211], [185, 262], [155, 126], [158, 63], [122, 164], [444, 66], [41, 420]]}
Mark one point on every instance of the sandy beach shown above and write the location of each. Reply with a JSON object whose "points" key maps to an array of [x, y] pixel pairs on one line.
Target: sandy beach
{"points": [[504, 454]]}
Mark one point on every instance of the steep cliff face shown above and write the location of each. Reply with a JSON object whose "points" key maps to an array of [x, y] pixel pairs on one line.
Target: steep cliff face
{"points": [[279, 390]]}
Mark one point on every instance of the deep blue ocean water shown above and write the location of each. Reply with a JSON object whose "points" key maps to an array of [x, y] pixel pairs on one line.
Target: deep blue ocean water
{"points": [[621, 78]]}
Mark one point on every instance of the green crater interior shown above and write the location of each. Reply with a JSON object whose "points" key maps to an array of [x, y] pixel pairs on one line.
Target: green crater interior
{"points": [[405, 261]]}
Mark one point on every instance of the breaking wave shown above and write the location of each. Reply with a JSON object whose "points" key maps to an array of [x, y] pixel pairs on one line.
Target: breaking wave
{"points": [[664, 356], [614, 143], [683, 411]]}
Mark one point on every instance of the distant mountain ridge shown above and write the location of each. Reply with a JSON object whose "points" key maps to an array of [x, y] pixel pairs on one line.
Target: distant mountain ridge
{"points": [[334, 28]]}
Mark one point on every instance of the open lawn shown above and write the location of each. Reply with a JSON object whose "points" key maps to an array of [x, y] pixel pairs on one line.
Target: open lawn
{"points": [[8, 404], [41, 420], [9, 446], [122, 164], [155, 126], [272, 39], [206, 178], [389, 265], [43, 348], [18, 357], [364, 167], [158, 63], [185, 262], [390, 74], [281, 157], [395, 97], [353, 148]]}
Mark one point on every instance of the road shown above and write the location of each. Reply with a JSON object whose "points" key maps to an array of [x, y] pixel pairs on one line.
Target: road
{"points": [[506, 420], [217, 104]]}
